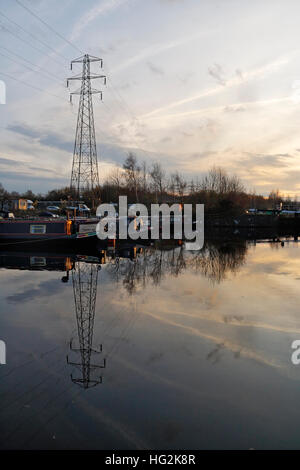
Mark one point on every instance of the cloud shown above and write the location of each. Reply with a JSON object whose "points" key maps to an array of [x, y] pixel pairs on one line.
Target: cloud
{"points": [[250, 160], [23, 129], [172, 1], [156, 49], [234, 109], [165, 139], [156, 70], [112, 47], [252, 74], [20, 181], [6, 161], [44, 289], [101, 9], [187, 134], [47, 138], [24, 169], [239, 74], [244, 105], [217, 73], [185, 79]]}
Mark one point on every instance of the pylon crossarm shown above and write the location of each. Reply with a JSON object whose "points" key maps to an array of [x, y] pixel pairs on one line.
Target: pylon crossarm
{"points": [[93, 58], [97, 366], [75, 349], [95, 92], [87, 383], [75, 77], [77, 61], [77, 92], [76, 364], [86, 57], [92, 91], [97, 351], [90, 77]]}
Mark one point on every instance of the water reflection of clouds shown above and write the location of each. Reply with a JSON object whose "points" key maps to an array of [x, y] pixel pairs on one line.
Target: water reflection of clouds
{"points": [[246, 311], [210, 333], [42, 289]]}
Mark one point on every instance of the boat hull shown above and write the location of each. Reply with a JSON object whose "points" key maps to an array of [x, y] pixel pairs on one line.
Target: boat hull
{"points": [[48, 232]]}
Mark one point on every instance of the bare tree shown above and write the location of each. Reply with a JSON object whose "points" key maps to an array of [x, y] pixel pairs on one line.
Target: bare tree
{"points": [[144, 177], [275, 198], [132, 173], [180, 183], [116, 178], [172, 185], [4, 196], [219, 182], [158, 183]]}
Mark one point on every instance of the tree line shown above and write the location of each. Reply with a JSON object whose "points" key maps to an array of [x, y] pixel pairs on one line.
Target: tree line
{"points": [[217, 190]]}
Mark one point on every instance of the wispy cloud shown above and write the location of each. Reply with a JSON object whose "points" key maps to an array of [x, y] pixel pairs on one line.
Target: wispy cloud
{"points": [[217, 73], [233, 108], [100, 9], [155, 69], [255, 73], [156, 49]]}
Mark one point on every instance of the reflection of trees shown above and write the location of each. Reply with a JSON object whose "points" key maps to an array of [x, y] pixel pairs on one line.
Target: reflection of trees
{"points": [[217, 260], [214, 261]]}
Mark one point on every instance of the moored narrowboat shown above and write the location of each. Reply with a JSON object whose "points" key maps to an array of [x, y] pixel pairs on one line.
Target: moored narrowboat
{"points": [[47, 230]]}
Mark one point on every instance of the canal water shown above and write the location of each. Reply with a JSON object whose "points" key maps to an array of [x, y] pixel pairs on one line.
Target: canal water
{"points": [[151, 348]]}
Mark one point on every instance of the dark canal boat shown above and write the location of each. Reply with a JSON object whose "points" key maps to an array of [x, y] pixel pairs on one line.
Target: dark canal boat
{"points": [[57, 231]]}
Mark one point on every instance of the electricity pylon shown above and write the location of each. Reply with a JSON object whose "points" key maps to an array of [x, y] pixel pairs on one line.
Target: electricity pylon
{"points": [[85, 176], [85, 278]]}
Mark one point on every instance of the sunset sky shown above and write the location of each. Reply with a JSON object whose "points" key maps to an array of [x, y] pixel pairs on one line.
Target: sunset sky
{"points": [[191, 83]]}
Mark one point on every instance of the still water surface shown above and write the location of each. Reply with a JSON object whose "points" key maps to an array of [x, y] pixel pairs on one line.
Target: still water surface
{"points": [[174, 350]]}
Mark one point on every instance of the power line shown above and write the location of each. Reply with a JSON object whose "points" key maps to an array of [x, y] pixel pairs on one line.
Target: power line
{"points": [[29, 85], [48, 26], [26, 66], [27, 42], [117, 96], [33, 36], [123, 105], [121, 102], [31, 63]]}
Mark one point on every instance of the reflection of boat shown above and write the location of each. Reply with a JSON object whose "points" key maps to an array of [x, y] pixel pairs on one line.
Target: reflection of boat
{"points": [[47, 230], [45, 261]]}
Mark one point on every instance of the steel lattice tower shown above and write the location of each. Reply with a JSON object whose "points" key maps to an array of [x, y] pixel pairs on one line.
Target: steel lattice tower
{"points": [[85, 176], [85, 277]]}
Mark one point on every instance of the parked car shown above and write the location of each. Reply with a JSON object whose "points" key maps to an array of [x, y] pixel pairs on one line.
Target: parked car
{"points": [[30, 205], [80, 208], [53, 208], [47, 214]]}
